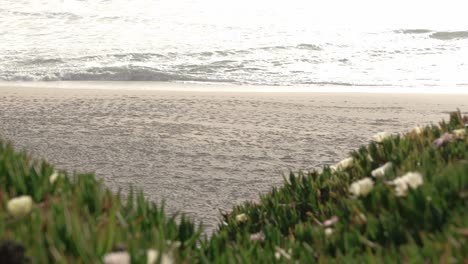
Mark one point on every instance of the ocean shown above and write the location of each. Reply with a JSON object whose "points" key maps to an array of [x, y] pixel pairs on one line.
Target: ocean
{"points": [[274, 43]]}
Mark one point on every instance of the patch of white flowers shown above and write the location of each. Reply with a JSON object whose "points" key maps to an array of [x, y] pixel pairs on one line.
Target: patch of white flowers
{"points": [[382, 170], [241, 218], [417, 130], [380, 137], [152, 256], [20, 206], [409, 180], [120, 257], [342, 165], [459, 133], [361, 187]]}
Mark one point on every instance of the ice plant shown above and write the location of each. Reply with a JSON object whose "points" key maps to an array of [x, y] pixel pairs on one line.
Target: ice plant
{"points": [[342, 165], [380, 137], [361, 187], [382, 170], [410, 179], [378, 228], [241, 218], [20, 206], [152, 256], [120, 257]]}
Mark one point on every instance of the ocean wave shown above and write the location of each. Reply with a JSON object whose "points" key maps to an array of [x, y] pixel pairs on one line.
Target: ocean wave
{"points": [[414, 31], [220, 55], [308, 46], [331, 83], [230, 52], [449, 35], [288, 47], [43, 61], [132, 56], [124, 73], [59, 15]]}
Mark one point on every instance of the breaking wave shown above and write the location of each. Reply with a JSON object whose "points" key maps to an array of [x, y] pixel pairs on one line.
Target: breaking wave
{"points": [[124, 73], [414, 31], [449, 35]]}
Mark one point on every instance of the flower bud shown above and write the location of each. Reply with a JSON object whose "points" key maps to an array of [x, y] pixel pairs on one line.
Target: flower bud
{"points": [[20, 206], [241, 218], [417, 130], [328, 231], [54, 177]]}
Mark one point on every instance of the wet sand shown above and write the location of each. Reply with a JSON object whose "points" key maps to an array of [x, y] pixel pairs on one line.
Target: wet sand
{"points": [[204, 151]]}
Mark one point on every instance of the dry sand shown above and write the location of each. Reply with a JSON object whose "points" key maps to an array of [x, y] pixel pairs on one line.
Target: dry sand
{"points": [[204, 151]]}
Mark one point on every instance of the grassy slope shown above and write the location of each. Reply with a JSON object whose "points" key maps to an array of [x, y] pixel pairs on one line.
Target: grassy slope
{"points": [[76, 219]]}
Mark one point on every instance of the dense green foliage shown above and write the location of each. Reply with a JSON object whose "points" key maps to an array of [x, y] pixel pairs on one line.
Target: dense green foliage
{"points": [[312, 218]]}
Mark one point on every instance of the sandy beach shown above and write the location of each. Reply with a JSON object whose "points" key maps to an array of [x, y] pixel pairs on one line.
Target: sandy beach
{"points": [[204, 151]]}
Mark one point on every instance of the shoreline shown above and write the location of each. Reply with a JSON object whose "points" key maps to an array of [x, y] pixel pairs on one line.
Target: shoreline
{"points": [[233, 88]]}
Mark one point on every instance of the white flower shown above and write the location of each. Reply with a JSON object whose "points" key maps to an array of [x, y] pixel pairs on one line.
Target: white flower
{"points": [[382, 170], [442, 141], [241, 218], [54, 177], [417, 130], [400, 187], [120, 257], [459, 133], [361, 187], [173, 244], [380, 137], [414, 179], [152, 257], [330, 221], [410, 179], [260, 236], [277, 255], [281, 252], [342, 165], [20, 206], [328, 231]]}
